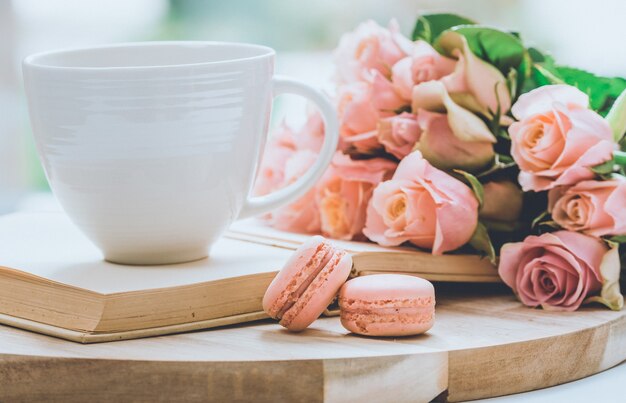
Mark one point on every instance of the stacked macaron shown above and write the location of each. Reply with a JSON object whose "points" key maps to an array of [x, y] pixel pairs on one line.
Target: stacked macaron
{"points": [[307, 284], [375, 305]]}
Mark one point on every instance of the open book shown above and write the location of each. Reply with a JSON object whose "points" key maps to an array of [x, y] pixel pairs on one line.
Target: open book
{"points": [[54, 281], [370, 258]]}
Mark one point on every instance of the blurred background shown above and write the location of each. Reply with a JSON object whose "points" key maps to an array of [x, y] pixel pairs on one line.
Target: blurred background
{"points": [[583, 33]]}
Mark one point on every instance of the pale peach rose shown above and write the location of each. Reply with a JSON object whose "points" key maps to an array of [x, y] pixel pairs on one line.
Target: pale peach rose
{"points": [[368, 48], [452, 136], [344, 191], [302, 215], [422, 205], [502, 201], [593, 207], [398, 134], [557, 139], [475, 84], [557, 270], [360, 107], [423, 64]]}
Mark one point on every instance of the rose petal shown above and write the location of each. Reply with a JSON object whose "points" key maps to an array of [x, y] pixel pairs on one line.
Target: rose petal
{"points": [[541, 99], [466, 126], [614, 206], [444, 150], [474, 84], [610, 268]]}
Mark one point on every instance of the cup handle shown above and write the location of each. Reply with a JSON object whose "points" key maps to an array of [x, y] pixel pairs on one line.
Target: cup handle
{"points": [[261, 204]]}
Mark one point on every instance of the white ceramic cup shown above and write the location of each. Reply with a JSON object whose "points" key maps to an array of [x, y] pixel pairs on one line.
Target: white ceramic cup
{"points": [[152, 148]]}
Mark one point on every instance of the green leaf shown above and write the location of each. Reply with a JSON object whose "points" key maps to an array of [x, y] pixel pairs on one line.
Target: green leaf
{"points": [[537, 56], [619, 157], [429, 26], [475, 184], [546, 76], [480, 241], [617, 117], [618, 239], [524, 73], [499, 48], [505, 159], [602, 91], [605, 168], [541, 70]]}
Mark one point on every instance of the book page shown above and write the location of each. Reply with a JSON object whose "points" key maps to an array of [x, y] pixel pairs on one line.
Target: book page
{"points": [[48, 245]]}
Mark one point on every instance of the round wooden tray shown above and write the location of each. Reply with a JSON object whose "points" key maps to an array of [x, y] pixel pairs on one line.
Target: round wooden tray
{"points": [[484, 344]]}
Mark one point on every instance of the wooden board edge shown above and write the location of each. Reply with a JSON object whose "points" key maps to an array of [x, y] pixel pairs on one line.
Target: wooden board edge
{"points": [[102, 337], [329, 380], [512, 368], [395, 378]]}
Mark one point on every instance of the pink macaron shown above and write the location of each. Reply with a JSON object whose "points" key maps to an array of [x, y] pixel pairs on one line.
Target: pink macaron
{"points": [[307, 284], [387, 305]]}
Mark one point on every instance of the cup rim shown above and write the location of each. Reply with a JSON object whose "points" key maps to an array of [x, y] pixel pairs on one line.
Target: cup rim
{"points": [[33, 59]]}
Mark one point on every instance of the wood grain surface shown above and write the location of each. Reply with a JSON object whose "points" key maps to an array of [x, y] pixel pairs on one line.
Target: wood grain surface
{"points": [[484, 343]]}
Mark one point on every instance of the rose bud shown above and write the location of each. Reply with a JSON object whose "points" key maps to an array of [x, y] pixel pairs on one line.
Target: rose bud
{"points": [[475, 84], [422, 65], [502, 201], [452, 137]]}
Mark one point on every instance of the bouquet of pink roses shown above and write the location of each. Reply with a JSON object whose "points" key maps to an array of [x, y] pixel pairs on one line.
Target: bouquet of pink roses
{"points": [[462, 139]]}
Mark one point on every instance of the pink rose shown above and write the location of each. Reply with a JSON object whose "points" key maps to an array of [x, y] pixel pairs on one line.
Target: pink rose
{"points": [[503, 201], [456, 139], [422, 205], [475, 84], [445, 149], [557, 139], [369, 48], [398, 134], [302, 215], [361, 106], [344, 192], [423, 64], [556, 270], [593, 207]]}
